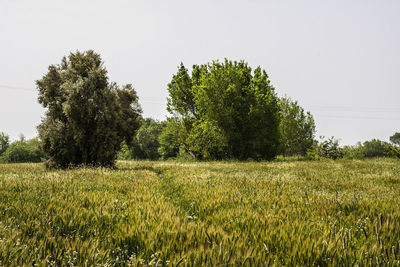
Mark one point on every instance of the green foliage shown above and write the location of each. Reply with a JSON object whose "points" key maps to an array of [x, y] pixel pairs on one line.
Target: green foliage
{"points": [[237, 103], [370, 149], [329, 148], [87, 117], [375, 148], [4, 142], [311, 153], [125, 153], [145, 145], [395, 139], [353, 152], [320, 213], [23, 151], [181, 100], [169, 139], [392, 151], [206, 141], [297, 128]]}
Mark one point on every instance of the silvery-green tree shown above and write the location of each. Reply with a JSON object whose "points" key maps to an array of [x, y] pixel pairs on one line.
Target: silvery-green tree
{"points": [[87, 116]]}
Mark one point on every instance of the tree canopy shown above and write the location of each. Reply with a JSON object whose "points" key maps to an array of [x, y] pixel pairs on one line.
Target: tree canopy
{"points": [[395, 139], [297, 128], [227, 110], [4, 142], [145, 144], [87, 116]]}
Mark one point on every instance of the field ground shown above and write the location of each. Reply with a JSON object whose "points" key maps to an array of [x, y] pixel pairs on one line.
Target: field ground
{"points": [[209, 213]]}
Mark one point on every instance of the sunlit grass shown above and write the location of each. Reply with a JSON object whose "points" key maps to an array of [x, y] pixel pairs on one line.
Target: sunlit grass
{"points": [[202, 213]]}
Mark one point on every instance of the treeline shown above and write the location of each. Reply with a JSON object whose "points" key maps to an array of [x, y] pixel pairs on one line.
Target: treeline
{"points": [[159, 140], [329, 148], [220, 110], [21, 150]]}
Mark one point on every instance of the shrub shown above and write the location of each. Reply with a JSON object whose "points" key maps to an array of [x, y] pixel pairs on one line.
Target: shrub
{"points": [[23, 151], [375, 148], [392, 151], [329, 148], [353, 152]]}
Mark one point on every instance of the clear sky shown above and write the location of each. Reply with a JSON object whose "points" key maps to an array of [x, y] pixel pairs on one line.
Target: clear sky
{"points": [[339, 59]]}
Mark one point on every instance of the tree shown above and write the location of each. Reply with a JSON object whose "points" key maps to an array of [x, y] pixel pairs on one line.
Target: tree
{"points": [[375, 148], [395, 139], [207, 141], [4, 142], [236, 102], [169, 139], [145, 144], [23, 151], [297, 128], [87, 117]]}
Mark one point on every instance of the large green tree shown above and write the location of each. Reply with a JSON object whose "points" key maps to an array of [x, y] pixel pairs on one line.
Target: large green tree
{"points": [[87, 116], [297, 128], [227, 110]]}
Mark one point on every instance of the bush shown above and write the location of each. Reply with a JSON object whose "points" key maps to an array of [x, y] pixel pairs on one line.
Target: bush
{"points": [[329, 148], [375, 148], [353, 152], [392, 151], [23, 151]]}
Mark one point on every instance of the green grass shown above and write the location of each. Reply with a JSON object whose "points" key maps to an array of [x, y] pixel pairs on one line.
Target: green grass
{"points": [[209, 213]]}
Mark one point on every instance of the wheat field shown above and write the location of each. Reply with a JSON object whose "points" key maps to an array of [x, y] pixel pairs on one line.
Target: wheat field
{"points": [[312, 213]]}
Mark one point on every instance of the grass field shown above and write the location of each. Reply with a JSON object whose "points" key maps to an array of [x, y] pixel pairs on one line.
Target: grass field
{"points": [[210, 213]]}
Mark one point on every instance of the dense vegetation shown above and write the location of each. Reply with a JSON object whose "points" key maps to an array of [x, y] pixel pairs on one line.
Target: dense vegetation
{"points": [[226, 110], [291, 211], [341, 212], [21, 150], [297, 128], [87, 116]]}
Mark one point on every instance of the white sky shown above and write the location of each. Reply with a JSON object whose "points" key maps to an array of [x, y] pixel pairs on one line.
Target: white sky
{"points": [[339, 59]]}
